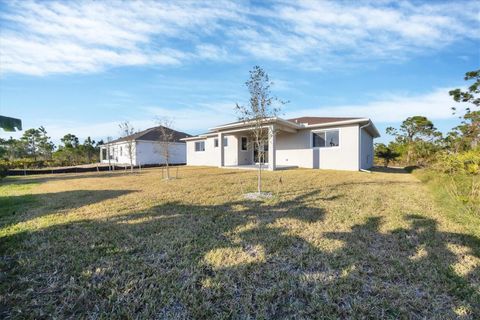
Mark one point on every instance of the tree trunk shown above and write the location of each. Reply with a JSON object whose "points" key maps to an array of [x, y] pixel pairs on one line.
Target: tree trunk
{"points": [[259, 185]]}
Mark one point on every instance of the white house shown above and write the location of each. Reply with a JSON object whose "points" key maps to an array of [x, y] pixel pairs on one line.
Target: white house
{"points": [[146, 148], [306, 142]]}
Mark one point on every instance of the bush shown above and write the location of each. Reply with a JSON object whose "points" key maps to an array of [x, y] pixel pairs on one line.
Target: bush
{"points": [[26, 163], [3, 169], [459, 192], [467, 162]]}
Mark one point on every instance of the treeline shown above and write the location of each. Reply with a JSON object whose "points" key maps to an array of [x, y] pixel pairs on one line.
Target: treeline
{"points": [[35, 149], [452, 159]]}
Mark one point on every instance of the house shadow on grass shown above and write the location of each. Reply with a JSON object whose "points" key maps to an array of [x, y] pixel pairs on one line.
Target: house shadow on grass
{"points": [[241, 260]]}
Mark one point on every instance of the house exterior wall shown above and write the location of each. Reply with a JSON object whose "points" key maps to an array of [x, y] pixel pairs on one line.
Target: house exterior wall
{"points": [[297, 149], [366, 152], [150, 152], [233, 155], [231, 150], [345, 156], [119, 153], [294, 149], [145, 152], [209, 157], [244, 156]]}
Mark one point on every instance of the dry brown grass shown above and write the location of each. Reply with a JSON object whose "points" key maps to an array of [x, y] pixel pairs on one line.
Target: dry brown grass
{"points": [[329, 244]]}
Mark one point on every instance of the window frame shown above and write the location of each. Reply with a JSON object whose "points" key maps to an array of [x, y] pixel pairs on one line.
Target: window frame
{"points": [[199, 142], [325, 131], [241, 143]]}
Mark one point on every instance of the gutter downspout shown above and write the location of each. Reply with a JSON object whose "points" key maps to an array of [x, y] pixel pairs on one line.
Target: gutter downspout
{"points": [[360, 147]]}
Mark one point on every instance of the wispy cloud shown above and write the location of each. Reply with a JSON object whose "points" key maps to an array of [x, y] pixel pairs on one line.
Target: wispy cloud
{"points": [[198, 118], [47, 37], [63, 37], [435, 105]]}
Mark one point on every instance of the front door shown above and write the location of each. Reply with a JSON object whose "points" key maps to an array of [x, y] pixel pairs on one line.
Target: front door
{"points": [[257, 154]]}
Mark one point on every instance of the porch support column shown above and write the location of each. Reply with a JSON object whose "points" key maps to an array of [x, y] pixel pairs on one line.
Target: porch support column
{"points": [[101, 153], [221, 151], [272, 161]]}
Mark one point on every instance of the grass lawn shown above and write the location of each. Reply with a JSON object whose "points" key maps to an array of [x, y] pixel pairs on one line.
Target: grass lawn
{"points": [[329, 244]]}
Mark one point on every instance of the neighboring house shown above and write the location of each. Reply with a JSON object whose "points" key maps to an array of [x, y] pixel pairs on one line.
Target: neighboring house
{"points": [[146, 148], [306, 142]]}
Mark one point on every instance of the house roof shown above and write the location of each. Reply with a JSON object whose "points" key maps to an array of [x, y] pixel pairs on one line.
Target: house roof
{"points": [[297, 123], [154, 134], [319, 120]]}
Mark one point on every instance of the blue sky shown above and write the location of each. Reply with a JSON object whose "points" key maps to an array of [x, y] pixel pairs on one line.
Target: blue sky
{"points": [[83, 67]]}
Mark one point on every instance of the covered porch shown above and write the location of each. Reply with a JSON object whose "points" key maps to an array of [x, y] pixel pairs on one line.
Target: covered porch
{"points": [[245, 153], [257, 166]]}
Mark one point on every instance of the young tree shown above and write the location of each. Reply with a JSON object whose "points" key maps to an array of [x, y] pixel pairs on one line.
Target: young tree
{"points": [[413, 133], [385, 153], [470, 126], [109, 157], [166, 140], [127, 130], [261, 107]]}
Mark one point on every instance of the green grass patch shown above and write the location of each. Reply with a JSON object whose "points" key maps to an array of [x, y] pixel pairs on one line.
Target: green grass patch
{"points": [[328, 244]]}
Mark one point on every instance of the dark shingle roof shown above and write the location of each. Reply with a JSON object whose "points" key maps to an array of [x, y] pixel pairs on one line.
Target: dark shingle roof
{"points": [[153, 134], [319, 120]]}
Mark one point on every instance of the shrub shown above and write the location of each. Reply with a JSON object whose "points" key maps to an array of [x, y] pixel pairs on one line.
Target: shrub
{"points": [[3, 169], [467, 162]]}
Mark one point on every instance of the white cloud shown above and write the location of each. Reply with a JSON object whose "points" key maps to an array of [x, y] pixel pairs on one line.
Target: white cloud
{"points": [[47, 37], [324, 33], [198, 118], [51, 37], [435, 105]]}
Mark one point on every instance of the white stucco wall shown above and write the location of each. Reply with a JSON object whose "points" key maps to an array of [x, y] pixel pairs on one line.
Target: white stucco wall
{"points": [[366, 154], [145, 152], [119, 153], [233, 155], [294, 149], [231, 150], [345, 156], [209, 157], [150, 152]]}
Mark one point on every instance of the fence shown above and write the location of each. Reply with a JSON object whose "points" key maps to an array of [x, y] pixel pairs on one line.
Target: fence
{"points": [[26, 172]]}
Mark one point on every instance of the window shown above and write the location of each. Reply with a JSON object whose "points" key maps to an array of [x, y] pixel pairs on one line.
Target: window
{"points": [[200, 146], [104, 154], [326, 139], [244, 143], [225, 141], [121, 151], [215, 143]]}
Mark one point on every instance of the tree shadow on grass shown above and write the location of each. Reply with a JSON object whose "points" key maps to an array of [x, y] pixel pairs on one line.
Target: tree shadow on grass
{"points": [[13, 208], [240, 260]]}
